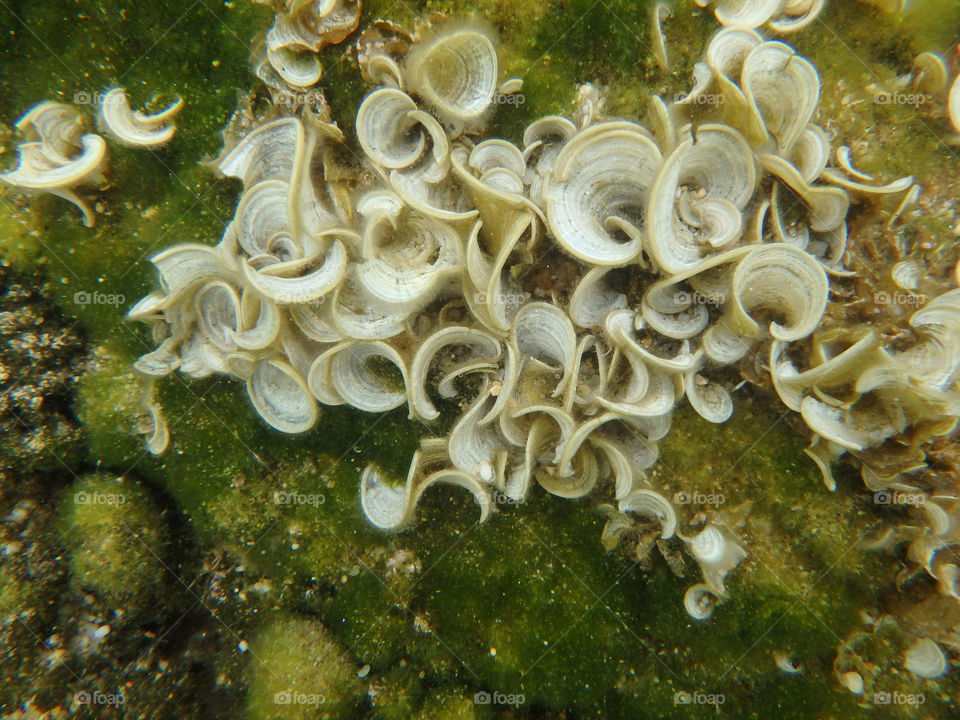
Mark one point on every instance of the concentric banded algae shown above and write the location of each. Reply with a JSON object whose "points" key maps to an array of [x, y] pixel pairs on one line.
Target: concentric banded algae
{"points": [[132, 127], [57, 157]]}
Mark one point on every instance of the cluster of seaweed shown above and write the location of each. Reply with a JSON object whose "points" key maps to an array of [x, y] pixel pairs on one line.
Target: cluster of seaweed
{"points": [[333, 286], [709, 237]]}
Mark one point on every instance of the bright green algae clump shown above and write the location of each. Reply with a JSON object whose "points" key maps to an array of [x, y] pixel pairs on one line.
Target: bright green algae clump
{"points": [[117, 538], [300, 670], [527, 604]]}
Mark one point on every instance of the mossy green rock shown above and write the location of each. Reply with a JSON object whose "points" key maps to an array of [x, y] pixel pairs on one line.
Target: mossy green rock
{"points": [[117, 539], [300, 671]]}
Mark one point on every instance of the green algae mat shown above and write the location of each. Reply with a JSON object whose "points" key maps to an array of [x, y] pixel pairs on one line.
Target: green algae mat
{"points": [[567, 359]]}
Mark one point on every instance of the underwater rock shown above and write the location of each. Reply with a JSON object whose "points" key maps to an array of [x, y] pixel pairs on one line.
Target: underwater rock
{"points": [[117, 538], [300, 671], [41, 360]]}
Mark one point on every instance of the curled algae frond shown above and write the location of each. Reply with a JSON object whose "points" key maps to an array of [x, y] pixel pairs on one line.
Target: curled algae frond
{"points": [[659, 11], [58, 157], [455, 72], [57, 127], [133, 128], [699, 601], [300, 30], [731, 217], [782, 16]]}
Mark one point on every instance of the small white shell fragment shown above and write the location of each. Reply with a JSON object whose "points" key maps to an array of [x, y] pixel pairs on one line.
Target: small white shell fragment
{"points": [[925, 659], [908, 273], [717, 553], [746, 13], [797, 15], [786, 663], [511, 86], [298, 68], [852, 681]]}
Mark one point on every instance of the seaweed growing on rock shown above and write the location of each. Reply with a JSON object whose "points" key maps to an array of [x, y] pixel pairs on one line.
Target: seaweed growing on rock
{"points": [[496, 600], [337, 285]]}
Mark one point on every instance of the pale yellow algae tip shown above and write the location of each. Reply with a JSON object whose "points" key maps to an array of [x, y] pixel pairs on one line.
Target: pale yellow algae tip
{"points": [[376, 285]]}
